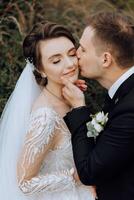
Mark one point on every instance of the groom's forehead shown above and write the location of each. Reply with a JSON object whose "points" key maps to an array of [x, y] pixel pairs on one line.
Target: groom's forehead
{"points": [[87, 35], [88, 32]]}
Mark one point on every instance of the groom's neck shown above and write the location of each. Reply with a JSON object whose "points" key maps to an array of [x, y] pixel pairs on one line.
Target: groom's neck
{"points": [[111, 76]]}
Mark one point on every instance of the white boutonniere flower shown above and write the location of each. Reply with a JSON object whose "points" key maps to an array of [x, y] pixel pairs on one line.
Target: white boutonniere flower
{"points": [[96, 125]]}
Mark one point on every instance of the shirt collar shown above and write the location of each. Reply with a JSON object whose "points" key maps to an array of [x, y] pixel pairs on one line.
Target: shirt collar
{"points": [[119, 81]]}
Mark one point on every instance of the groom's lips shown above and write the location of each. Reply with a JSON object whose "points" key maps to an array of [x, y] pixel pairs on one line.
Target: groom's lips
{"points": [[79, 67]]}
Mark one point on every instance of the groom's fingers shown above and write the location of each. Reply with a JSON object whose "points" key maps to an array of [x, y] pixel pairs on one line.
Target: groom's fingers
{"points": [[64, 80], [68, 84], [67, 90], [66, 93], [73, 94], [81, 85], [80, 81]]}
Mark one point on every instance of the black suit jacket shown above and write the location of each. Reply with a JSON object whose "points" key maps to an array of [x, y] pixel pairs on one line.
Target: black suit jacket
{"points": [[108, 163]]}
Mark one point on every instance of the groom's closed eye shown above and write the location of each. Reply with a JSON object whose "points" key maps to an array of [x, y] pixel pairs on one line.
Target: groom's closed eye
{"points": [[82, 48]]}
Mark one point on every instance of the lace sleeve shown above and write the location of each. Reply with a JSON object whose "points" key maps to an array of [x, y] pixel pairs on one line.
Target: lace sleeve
{"points": [[38, 141]]}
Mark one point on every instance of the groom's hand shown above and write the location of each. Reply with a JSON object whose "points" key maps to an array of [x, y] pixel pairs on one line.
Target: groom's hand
{"points": [[72, 94], [81, 84]]}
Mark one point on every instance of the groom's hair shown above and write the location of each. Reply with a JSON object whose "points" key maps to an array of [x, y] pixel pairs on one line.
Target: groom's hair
{"points": [[114, 32]]}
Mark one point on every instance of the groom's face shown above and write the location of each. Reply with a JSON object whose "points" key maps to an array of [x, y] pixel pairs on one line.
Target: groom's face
{"points": [[89, 61]]}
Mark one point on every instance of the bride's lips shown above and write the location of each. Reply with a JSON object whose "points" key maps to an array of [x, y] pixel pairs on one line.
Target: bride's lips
{"points": [[70, 73]]}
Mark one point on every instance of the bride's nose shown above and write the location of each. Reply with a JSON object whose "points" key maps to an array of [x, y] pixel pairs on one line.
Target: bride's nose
{"points": [[69, 63]]}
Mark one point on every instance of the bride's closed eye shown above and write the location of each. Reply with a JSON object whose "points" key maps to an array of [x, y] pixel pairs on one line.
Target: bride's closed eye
{"points": [[55, 62], [73, 54]]}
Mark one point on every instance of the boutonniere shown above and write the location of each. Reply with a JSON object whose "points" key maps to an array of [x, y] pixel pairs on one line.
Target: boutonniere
{"points": [[96, 125]]}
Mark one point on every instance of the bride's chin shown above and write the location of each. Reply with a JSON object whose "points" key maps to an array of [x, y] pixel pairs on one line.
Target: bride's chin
{"points": [[73, 78]]}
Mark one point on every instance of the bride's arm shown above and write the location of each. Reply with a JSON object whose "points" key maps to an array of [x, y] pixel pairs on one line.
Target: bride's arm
{"points": [[91, 188], [39, 140]]}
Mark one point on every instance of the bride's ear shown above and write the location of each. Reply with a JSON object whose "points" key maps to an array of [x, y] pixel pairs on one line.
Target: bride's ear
{"points": [[42, 73], [106, 59]]}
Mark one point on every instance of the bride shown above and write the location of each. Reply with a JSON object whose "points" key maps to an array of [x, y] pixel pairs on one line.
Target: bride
{"points": [[36, 160]]}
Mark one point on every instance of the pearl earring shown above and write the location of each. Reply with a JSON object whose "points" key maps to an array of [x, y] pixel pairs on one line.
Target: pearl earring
{"points": [[43, 75]]}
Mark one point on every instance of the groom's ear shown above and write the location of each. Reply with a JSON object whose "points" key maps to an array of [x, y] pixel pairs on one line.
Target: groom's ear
{"points": [[106, 59]]}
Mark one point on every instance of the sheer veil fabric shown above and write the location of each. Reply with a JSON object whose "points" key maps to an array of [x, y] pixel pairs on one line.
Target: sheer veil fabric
{"points": [[13, 128]]}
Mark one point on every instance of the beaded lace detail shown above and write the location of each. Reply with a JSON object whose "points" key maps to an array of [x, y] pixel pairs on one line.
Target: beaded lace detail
{"points": [[42, 166]]}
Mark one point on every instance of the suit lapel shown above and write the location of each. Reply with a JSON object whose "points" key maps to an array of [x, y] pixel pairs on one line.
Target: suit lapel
{"points": [[122, 91]]}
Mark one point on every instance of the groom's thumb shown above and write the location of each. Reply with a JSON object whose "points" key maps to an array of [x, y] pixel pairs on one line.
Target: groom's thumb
{"points": [[64, 81]]}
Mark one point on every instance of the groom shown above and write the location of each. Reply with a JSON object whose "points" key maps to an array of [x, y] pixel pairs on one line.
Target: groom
{"points": [[106, 54]]}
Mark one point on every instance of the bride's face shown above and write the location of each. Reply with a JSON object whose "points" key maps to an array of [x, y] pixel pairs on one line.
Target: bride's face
{"points": [[58, 56]]}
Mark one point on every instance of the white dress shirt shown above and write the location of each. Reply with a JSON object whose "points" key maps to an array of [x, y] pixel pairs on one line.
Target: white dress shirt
{"points": [[119, 81]]}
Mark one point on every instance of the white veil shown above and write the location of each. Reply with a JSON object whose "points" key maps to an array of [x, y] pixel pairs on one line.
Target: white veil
{"points": [[13, 127]]}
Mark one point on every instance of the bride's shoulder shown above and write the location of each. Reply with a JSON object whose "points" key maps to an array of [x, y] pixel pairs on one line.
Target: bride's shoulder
{"points": [[42, 118], [39, 102], [43, 110], [41, 105]]}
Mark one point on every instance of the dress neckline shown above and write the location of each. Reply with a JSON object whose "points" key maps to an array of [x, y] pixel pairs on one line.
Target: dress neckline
{"points": [[47, 107]]}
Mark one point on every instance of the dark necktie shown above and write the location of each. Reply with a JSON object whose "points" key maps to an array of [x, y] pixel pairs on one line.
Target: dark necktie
{"points": [[107, 104]]}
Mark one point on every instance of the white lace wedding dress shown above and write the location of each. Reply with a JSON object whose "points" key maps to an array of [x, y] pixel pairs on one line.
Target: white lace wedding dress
{"points": [[53, 180]]}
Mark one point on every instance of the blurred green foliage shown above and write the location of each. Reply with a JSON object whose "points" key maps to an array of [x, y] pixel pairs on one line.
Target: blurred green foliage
{"points": [[16, 20]]}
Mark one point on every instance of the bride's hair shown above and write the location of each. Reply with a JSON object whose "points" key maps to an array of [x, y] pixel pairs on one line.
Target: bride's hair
{"points": [[40, 32]]}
